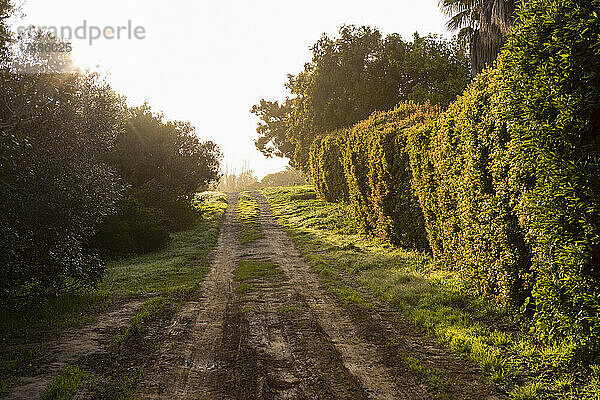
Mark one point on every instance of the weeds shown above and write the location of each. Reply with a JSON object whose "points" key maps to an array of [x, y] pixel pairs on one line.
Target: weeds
{"points": [[65, 385]]}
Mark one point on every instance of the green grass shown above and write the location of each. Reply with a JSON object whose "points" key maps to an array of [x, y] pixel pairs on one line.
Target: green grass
{"points": [[65, 385], [252, 270], [174, 271], [247, 212], [179, 267], [433, 297], [149, 310]]}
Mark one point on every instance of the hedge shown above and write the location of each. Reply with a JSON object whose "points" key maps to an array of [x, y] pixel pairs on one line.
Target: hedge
{"points": [[327, 170], [552, 93], [379, 178], [508, 177], [456, 161]]}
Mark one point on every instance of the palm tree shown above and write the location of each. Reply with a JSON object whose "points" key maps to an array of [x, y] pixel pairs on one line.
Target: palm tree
{"points": [[483, 25]]}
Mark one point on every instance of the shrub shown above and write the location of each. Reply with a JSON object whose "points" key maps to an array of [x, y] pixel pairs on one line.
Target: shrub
{"points": [[135, 228], [54, 186], [551, 102], [379, 177], [456, 164], [327, 170], [507, 177], [176, 208]]}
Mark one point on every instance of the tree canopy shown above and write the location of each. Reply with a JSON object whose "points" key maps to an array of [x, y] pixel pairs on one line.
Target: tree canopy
{"points": [[483, 25], [350, 77]]}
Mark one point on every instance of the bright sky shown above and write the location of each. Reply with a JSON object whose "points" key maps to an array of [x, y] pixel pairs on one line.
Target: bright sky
{"points": [[209, 61]]}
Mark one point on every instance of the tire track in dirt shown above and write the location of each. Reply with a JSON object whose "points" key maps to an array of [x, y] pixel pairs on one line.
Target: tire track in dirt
{"points": [[298, 358], [225, 344], [191, 359], [91, 340]]}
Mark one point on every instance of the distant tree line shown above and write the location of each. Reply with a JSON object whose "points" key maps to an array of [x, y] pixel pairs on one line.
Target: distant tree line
{"points": [[83, 176], [234, 181]]}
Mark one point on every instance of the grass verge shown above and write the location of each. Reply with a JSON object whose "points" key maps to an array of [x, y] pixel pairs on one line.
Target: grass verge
{"points": [[246, 212], [433, 297]]}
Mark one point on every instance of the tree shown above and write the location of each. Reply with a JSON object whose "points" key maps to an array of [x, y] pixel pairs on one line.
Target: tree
{"points": [[352, 76], [56, 186], [164, 164], [428, 69], [168, 152], [483, 25], [271, 129]]}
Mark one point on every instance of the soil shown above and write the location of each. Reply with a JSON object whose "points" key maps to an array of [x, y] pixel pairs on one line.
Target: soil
{"points": [[282, 336]]}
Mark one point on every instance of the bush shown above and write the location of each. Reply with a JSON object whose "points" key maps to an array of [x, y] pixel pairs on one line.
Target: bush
{"points": [[508, 176], [551, 99], [327, 170], [379, 177], [456, 165], [177, 210], [135, 228], [55, 187]]}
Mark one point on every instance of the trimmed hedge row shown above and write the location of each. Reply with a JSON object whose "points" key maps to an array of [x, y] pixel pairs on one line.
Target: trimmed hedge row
{"points": [[379, 178], [457, 166], [508, 176], [326, 168], [507, 179]]}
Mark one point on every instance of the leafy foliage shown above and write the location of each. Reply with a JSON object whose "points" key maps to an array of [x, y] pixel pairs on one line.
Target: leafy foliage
{"points": [[552, 90], [327, 169], [55, 185], [272, 127], [134, 228], [351, 76], [379, 177]]}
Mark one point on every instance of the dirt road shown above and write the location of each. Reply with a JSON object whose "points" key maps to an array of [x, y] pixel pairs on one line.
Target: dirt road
{"points": [[284, 335]]}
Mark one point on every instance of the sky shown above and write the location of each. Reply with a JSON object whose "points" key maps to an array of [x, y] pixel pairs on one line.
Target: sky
{"points": [[209, 61]]}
